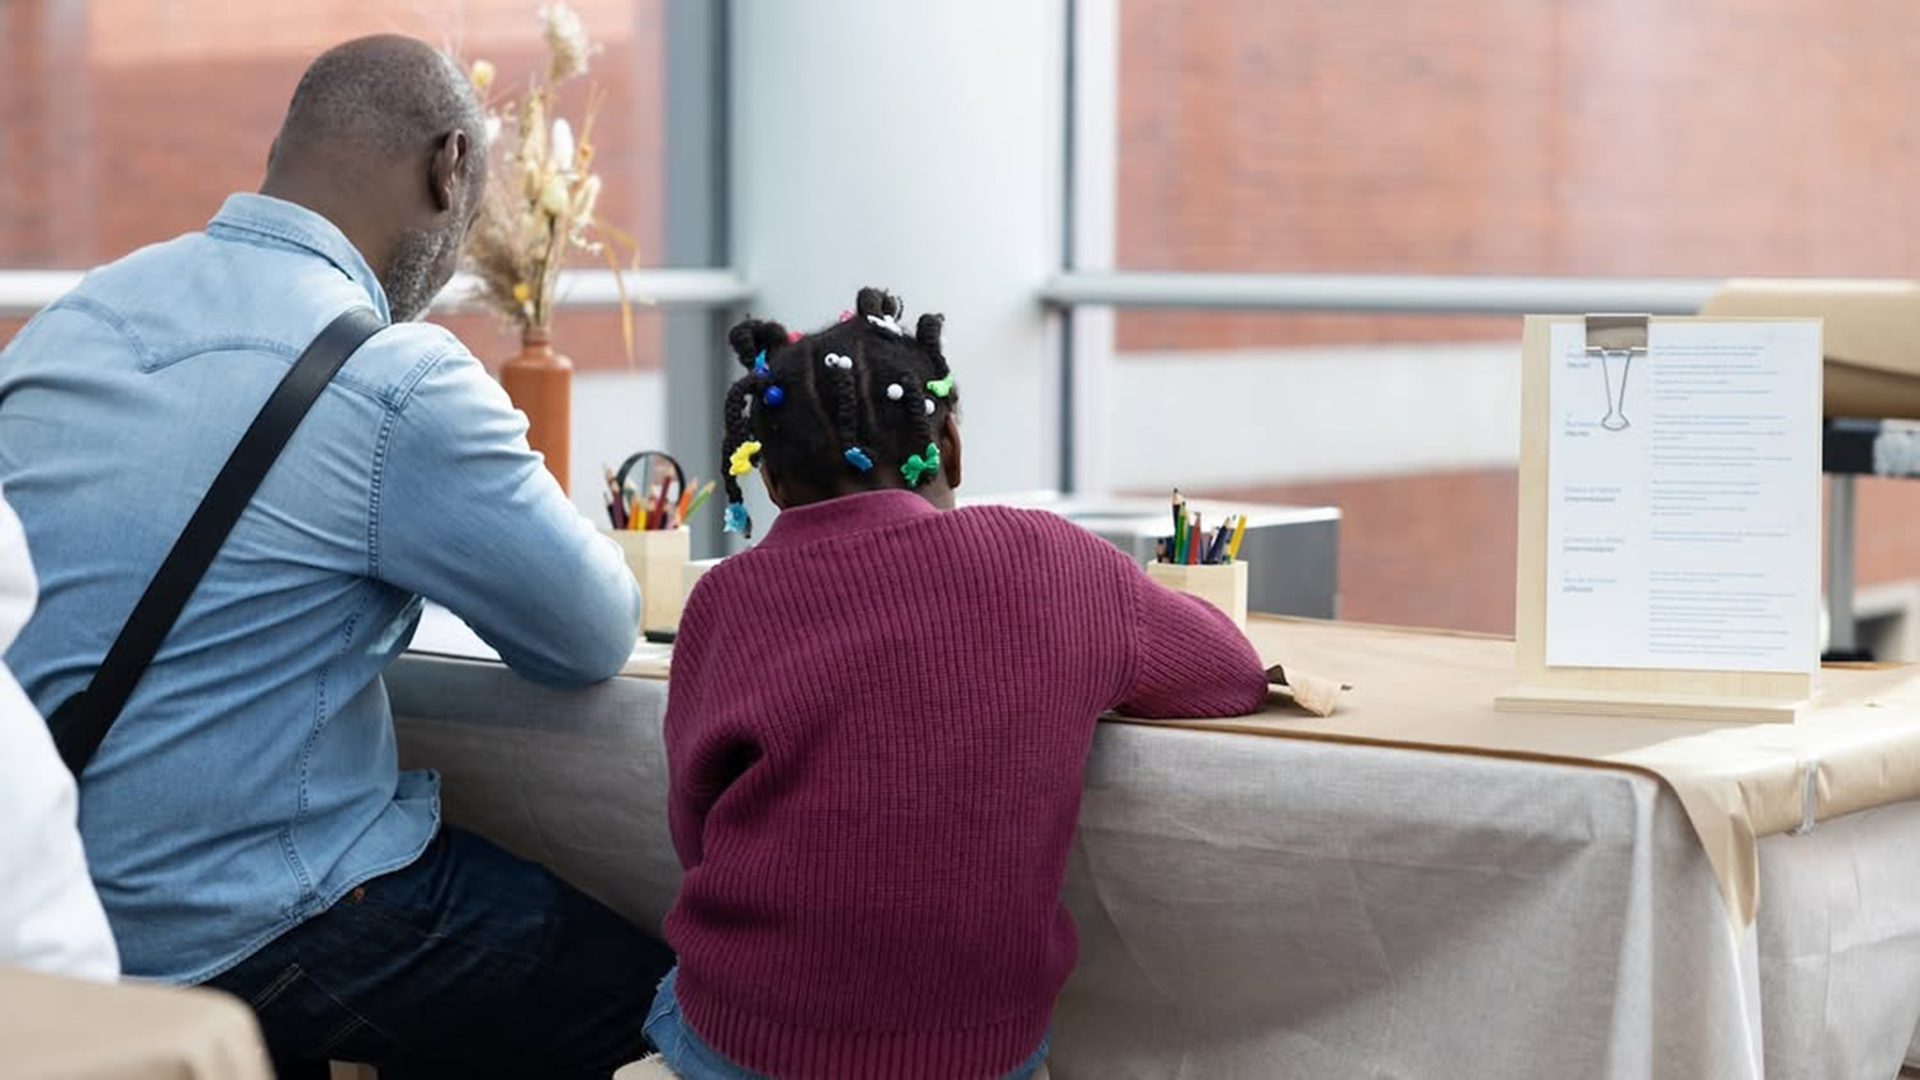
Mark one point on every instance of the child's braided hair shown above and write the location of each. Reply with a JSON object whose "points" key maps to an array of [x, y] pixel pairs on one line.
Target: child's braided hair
{"points": [[847, 405]]}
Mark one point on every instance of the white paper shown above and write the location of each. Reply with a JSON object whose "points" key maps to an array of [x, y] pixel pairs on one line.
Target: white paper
{"points": [[1683, 507], [442, 633]]}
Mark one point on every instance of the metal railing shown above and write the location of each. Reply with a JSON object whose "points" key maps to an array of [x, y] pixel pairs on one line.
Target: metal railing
{"points": [[1398, 294], [23, 292]]}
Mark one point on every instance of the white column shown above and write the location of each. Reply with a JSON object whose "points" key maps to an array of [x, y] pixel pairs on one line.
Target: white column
{"points": [[1094, 203], [919, 147]]}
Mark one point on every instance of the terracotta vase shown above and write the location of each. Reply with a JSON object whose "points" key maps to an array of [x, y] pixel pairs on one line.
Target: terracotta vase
{"points": [[541, 386]]}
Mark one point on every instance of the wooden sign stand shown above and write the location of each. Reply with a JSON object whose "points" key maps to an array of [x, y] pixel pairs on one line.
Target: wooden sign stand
{"points": [[1719, 696]]}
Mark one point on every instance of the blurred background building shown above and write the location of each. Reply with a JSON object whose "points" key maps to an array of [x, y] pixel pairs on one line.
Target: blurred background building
{"points": [[984, 157]]}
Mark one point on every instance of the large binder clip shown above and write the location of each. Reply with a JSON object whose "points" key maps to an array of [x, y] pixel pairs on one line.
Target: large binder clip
{"points": [[1614, 340]]}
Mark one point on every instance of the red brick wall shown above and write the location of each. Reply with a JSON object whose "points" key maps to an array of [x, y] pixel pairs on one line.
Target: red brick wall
{"points": [[130, 124], [1629, 137]]}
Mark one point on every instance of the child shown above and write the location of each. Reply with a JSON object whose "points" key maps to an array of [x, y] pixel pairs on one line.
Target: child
{"points": [[877, 727]]}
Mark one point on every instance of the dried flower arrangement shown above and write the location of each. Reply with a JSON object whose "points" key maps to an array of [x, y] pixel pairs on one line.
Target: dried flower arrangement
{"points": [[541, 199]]}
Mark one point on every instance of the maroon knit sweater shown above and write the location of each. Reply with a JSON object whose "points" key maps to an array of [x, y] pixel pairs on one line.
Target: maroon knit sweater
{"points": [[876, 728]]}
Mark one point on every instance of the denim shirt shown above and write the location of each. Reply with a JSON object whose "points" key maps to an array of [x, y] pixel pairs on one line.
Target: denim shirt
{"points": [[252, 779]]}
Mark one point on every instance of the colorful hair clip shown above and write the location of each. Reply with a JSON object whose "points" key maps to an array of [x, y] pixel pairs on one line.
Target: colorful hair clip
{"points": [[741, 463], [858, 458], [940, 387], [895, 391], [918, 467], [760, 365], [838, 360], [737, 520], [773, 396], [793, 336], [887, 323], [928, 402]]}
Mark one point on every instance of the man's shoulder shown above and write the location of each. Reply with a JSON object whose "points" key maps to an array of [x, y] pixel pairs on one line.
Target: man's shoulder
{"points": [[402, 357]]}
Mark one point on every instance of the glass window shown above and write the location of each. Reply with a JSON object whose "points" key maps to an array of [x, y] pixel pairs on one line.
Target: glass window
{"points": [[130, 120], [1624, 138]]}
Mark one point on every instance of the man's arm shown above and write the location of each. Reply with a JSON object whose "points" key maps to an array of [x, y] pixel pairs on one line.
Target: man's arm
{"points": [[465, 514]]}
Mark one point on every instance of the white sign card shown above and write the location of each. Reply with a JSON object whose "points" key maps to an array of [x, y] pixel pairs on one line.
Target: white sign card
{"points": [[1683, 499]]}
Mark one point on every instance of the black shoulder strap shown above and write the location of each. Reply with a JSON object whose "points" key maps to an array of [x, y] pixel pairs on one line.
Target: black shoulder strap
{"points": [[81, 723]]}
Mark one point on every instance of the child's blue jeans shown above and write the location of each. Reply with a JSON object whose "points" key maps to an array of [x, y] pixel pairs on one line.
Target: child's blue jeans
{"points": [[693, 1059]]}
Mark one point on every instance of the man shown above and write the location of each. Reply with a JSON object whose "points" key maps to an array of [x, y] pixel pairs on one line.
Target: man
{"points": [[247, 825], [50, 918]]}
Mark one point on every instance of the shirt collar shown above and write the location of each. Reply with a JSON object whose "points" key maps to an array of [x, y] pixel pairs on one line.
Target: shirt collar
{"points": [[292, 224], [849, 514]]}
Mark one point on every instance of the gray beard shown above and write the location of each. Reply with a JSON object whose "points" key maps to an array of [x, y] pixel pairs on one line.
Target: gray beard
{"points": [[411, 281]]}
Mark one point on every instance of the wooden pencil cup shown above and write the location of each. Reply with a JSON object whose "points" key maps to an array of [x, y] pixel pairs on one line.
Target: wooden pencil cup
{"points": [[1224, 585], [657, 558]]}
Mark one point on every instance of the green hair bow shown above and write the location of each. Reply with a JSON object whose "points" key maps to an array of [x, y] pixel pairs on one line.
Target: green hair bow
{"points": [[918, 467]]}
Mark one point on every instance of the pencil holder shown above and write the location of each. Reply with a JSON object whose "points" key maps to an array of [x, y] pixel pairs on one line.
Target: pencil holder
{"points": [[656, 559], [1224, 585]]}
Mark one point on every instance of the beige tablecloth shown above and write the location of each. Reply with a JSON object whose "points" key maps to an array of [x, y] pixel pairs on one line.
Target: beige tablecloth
{"points": [[65, 1029], [1318, 906], [1858, 747]]}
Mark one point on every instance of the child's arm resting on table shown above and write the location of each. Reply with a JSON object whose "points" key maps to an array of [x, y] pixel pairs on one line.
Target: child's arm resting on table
{"points": [[1190, 661]]}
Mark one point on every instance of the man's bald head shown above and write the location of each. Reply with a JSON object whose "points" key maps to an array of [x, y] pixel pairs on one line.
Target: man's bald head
{"points": [[386, 138], [376, 98]]}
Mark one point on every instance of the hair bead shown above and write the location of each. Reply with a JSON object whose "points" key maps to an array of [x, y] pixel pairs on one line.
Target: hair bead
{"points": [[920, 466], [773, 397], [895, 391], [737, 520], [741, 463]]}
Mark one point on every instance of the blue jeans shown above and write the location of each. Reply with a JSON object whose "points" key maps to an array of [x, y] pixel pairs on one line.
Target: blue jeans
{"points": [[693, 1059], [468, 963]]}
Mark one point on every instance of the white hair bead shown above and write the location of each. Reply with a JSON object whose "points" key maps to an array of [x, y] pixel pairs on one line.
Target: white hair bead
{"points": [[895, 391], [928, 402], [837, 360]]}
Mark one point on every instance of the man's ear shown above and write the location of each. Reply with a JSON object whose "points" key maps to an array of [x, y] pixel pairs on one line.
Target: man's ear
{"points": [[443, 173], [950, 450]]}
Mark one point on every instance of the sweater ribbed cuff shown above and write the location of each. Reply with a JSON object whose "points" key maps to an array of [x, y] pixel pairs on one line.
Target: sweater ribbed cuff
{"points": [[986, 1051]]}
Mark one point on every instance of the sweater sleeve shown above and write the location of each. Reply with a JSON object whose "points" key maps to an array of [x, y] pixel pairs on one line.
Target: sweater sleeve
{"points": [[1190, 660]]}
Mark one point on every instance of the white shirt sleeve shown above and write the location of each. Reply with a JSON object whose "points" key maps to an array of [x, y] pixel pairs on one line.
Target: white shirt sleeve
{"points": [[50, 917]]}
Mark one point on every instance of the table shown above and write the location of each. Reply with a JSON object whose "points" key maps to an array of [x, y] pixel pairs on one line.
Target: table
{"points": [[53, 1027], [1260, 907]]}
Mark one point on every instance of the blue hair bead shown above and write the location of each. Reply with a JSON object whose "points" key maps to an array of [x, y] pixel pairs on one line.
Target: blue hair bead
{"points": [[760, 364], [737, 520], [773, 397], [858, 458]]}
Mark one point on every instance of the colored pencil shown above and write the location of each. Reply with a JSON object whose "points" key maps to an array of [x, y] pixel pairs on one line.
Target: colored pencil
{"points": [[1218, 545], [1239, 533], [1179, 527], [698, 500], [659, 515]]}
